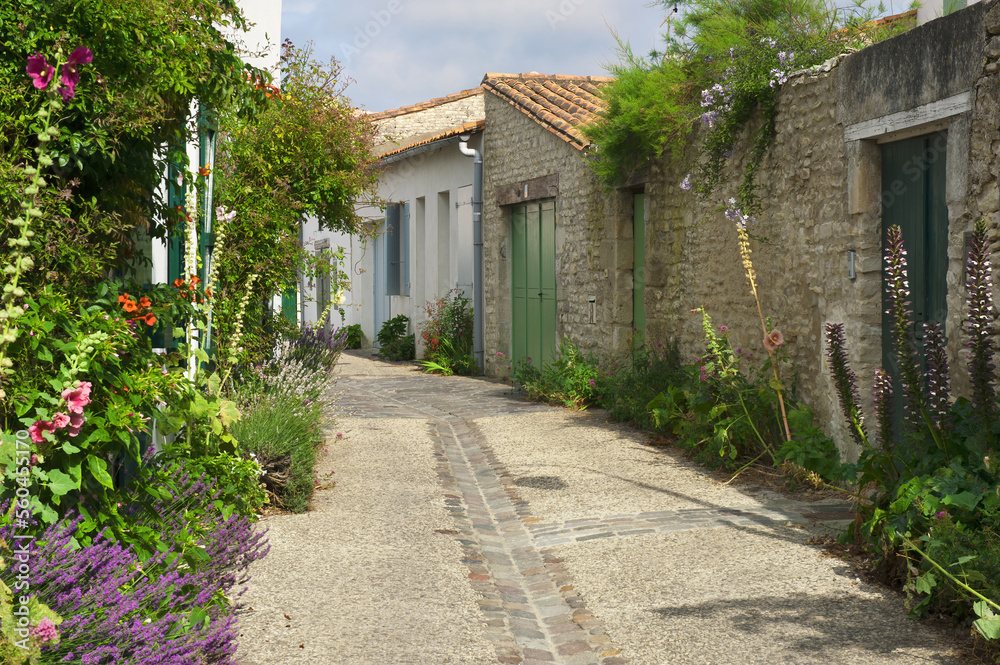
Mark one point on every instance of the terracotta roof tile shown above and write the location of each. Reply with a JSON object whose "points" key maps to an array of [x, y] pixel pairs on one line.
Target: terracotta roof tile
{"points": [[561, 104], [467, 128], [422, 106]]}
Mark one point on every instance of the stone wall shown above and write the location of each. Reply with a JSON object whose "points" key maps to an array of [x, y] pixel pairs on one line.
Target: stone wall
{"points": [[425, 122], [589, 259], [821, 189]]}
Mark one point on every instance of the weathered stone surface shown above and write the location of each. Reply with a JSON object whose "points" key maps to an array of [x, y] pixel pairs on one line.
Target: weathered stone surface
{"points": [[993, 20]]}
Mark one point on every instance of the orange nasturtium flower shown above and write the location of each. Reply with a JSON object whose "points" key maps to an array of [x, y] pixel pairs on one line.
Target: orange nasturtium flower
{"points": [[178, 283], [205, 170]]}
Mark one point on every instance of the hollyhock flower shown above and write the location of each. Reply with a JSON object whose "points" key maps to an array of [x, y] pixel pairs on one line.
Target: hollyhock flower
{"points": [[81, 55], [60, 420], [773, 340], [77, 398], [36, 429], [76, 421], [41, 72], [45, 631]]}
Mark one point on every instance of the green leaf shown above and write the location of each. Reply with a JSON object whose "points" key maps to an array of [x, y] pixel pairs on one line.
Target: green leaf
{"points": [[228, 412], [925, 583], [60, 483], [98, 468], [963, 499], [988, 623]]}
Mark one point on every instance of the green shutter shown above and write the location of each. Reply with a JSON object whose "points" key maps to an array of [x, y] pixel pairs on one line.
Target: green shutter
{"points": [[392, 231], [289, 303], [404, 252]]}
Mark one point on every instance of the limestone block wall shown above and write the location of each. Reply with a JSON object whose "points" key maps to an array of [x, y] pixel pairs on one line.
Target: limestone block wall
{"points": [[590, 260], [431, 120]]}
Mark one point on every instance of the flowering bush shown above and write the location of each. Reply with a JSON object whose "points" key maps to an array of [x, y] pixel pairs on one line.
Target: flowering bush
{"points": [[127, 604], [932, 483], [447, 335], [571, 379]]}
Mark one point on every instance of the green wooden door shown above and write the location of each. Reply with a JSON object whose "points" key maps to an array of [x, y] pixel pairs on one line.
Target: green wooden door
{"points": [[533, 281], [639, 263], [913, 198]]}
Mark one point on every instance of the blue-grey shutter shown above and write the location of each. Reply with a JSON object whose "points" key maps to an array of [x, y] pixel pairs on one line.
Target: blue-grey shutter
{"points": [[404, 261], [392, 243]]}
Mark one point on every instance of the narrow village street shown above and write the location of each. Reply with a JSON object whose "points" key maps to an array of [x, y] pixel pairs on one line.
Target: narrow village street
{"points": [[469, 526]]}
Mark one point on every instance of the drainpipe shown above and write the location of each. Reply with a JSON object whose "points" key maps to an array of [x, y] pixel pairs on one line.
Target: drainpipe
{"points": [[477, 247]]}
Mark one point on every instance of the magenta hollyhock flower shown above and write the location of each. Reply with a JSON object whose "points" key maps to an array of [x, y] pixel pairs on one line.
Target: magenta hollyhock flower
{"points": [[77, 398], [773, 340], [41, 72], [60, 420], [36, 429], [70, 76]]}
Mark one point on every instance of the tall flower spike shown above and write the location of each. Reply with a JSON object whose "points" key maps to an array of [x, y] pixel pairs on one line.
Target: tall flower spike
{"points": [[901, 327], [846, 382], [979, 325], [937, 381], [882, 394]]}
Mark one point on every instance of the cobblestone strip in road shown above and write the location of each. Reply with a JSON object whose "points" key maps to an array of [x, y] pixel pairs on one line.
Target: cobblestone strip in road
{"points": [[532, 611], [547, 535]]}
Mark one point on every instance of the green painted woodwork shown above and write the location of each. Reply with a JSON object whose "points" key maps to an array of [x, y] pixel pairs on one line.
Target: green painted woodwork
{"points": [[533, 281], [289, 303], [639, 262], [913, 197]]}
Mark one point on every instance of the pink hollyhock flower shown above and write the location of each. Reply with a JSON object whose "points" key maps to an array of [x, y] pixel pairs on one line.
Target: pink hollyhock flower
{"points": [[773, 340], [41, 72], [76, 421], [60, 420], [70, 76], [36, 429], [77, 398], [45, 631]]}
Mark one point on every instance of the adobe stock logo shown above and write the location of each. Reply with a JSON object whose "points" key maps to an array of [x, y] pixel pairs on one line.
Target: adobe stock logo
{"points": [[363, 35], [566, 9]]}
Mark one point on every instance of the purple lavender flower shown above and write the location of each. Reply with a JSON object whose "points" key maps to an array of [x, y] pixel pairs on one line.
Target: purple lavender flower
{"points": [[686, 183]]}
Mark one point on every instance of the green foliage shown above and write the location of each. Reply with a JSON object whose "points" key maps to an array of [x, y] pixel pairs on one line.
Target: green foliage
{"points": [[354, 336], [723, 61], [646, 113], [285, 439], [725, 410], [394, 343], [813, 450], [152, 60], [306, 153], [447, 336], [627, 386], [570, 379]]}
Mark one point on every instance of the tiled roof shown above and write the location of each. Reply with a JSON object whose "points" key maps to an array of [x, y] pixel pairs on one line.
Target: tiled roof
{"points": [[561, 104], [422, 106], [467, 128]]}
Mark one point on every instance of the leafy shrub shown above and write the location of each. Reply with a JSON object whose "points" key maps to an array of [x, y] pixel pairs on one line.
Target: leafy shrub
{"points": [[354, 336], [394, 343], [627, 386], [725, 409], [447, 335], [570, 379]]}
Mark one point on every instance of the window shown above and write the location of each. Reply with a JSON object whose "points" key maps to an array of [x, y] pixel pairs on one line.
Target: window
{"points": [[397, 243]]}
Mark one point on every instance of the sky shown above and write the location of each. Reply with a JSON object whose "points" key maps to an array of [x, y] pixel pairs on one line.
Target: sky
{"points": [[402, 52]]}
